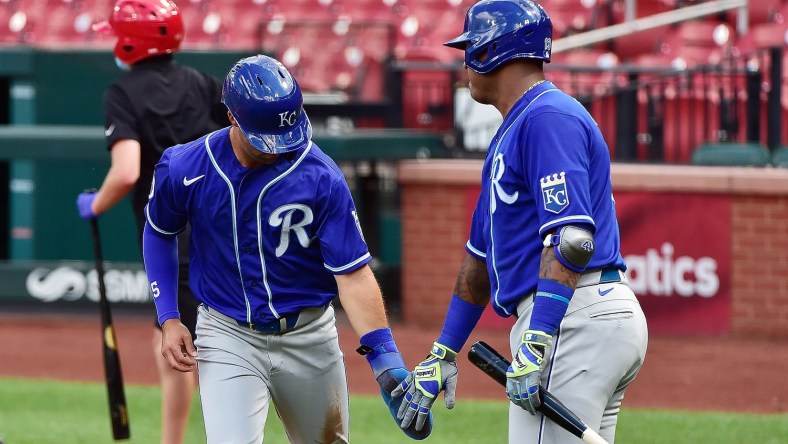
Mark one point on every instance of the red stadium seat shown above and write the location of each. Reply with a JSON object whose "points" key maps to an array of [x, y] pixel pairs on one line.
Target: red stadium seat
{"points": [[62, 23], [630, 46], [761, 36], [570, 16], [243, 26], [763, 11], [697, 42], [15, 26], [377, 40], [426, 100], [578, 82]]}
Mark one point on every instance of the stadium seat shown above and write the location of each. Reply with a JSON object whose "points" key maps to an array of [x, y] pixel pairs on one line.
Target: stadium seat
{"points": [[376, 39], [631, 46], [762, 11], [571, 16], [731, 154], [643, 8], [65, 23], [578, 82], [697, 42], [15, 26], [761, 36], [780, 157], [245, 26], [427, 100], [369, 11]]}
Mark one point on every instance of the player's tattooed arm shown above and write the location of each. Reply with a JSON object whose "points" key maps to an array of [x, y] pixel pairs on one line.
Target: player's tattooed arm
{"points": [[551, 268], [473, 282]]}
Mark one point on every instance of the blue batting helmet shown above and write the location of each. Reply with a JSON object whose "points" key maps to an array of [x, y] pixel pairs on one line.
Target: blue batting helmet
{"points": [[266, 102], [497, 31]]}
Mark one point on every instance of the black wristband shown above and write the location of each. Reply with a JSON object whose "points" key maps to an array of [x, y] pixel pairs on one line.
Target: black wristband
{"points": [[364, 350]]}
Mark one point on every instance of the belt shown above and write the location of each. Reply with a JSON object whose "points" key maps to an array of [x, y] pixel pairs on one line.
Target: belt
{"points": [[607, 275], [279, 326]]}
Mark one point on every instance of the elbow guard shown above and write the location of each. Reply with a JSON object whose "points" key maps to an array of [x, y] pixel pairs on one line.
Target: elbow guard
{"points": [[573, 247]]}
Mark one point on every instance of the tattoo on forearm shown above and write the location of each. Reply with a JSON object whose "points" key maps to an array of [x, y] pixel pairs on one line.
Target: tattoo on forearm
{"points": [[551, 268], [473, 284]]}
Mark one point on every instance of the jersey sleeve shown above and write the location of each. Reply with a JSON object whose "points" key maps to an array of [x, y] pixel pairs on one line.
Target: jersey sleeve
{"points": [[341, 238], [165, 211], [558, 170], [119, 119]]}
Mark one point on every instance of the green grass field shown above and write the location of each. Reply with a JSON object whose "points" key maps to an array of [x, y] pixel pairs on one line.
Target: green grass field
{"points": [[42, 412]]}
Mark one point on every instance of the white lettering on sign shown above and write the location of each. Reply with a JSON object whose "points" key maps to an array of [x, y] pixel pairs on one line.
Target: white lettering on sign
{"points": [[658, 273], [70, 284]]}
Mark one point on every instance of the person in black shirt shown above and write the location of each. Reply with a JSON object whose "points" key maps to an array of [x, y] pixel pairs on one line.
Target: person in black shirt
{"points": [[156, 104]]}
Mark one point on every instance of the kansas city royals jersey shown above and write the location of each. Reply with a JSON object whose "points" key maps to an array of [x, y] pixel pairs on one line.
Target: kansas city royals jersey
{"points": [[546, 167], [265, 242]]}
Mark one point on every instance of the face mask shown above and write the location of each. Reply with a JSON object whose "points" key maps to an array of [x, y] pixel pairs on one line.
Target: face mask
{"points": [[122, 65]]}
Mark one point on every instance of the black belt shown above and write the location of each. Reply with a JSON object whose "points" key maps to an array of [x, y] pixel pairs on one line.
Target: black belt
{"points": [[281, 325]]}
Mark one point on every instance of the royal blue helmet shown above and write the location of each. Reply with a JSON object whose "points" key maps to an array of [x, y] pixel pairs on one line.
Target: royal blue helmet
{"points": [[497, 31], [266, 102]]}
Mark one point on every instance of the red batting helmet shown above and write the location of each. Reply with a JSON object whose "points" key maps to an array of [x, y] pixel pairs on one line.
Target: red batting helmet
{"points": [[144, 28]]}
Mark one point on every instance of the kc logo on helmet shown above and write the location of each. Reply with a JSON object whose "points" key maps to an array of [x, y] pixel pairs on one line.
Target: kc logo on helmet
{"points": [[288, 118], [554, 193]]}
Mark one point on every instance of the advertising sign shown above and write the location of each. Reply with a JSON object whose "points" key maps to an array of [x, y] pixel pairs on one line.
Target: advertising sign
{"points": [[678, 253], [72, 282]]}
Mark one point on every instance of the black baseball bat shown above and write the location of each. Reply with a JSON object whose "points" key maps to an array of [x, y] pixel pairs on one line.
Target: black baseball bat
{"points": [[118, 412], [491, 362]]}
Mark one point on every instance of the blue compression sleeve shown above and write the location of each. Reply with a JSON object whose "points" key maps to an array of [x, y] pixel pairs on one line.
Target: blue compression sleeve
{"points": [[161, 264], [550, 304], [461, 319], [381, 351]]}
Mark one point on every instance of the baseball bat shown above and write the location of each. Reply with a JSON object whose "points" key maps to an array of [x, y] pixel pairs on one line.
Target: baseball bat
{"points": [[491, 362], [118, 412]]}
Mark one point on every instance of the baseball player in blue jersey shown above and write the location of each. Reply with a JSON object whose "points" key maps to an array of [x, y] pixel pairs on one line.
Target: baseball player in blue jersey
{"points": [[274, 239], [544, 243]]}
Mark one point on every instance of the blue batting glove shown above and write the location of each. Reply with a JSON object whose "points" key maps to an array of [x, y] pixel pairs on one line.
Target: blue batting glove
{"points": [[84, 205], [381, 353], [436, 373], [523, 375], [389, 381]]}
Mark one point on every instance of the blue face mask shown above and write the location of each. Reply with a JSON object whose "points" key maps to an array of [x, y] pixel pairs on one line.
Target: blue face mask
{"points": [[122, 65]]}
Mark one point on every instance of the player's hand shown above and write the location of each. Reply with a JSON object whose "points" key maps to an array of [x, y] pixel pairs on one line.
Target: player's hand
{"points": [[85, 205], [523, 375], [436, 373], [379, 349], [389, 381], [177, 346]]}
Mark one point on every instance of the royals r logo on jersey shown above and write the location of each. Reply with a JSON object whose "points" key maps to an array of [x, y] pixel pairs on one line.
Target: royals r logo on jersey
{"points": [[554, 192], [284, 217]]}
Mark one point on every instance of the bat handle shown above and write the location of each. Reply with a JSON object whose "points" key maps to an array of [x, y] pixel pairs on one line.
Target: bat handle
{"points": [[494, 364]]}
